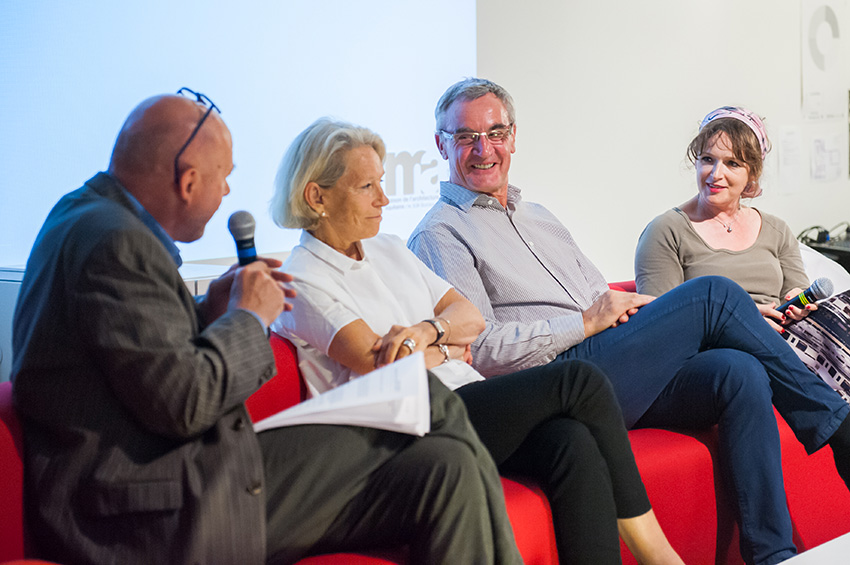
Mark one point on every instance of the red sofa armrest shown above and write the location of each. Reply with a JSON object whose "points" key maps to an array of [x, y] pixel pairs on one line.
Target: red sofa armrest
{"points": [[625, 286], [284, 389], [12, 472]]}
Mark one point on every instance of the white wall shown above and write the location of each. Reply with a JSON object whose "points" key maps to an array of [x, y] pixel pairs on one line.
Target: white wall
{"points": [[609, 94]]}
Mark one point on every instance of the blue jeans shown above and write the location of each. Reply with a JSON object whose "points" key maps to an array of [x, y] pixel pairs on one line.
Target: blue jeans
{"points": [[702, 354]]}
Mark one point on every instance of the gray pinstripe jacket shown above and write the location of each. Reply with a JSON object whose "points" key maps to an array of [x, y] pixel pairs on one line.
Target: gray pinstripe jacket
{"points": [[138, 448]]}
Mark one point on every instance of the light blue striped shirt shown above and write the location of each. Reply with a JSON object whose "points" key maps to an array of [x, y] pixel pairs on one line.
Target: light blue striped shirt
{"points": [[153, 225], [520, 267]]}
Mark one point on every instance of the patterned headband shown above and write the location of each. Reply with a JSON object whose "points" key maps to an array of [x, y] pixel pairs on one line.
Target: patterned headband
{"points": [[742, 115]]}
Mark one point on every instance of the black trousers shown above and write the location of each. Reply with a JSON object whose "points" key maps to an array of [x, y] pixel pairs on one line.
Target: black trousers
{"points": [[560, 424]]}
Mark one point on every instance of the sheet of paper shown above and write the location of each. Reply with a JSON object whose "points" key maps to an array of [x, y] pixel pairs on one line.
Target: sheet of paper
{"points": [[790, 155], [826, 157], [393, 398]]}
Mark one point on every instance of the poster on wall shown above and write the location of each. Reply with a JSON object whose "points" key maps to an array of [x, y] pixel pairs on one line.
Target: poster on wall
{"points": [[824, 28], [823, 32]]}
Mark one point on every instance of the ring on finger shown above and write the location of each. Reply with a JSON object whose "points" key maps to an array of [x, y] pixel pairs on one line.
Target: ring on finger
{"points": [[409, 343]]}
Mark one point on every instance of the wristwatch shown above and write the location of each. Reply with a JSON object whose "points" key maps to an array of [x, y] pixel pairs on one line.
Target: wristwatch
{"points": [[439, 327]]}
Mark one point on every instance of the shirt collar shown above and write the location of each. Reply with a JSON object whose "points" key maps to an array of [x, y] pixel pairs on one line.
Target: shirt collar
{"points": [[155, 227], [465, 199], [330, 255]]}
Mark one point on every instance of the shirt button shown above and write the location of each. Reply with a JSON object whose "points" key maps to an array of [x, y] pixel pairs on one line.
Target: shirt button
{"points": [[531, 244], [239, 425], [256, 489], [491, 202]]}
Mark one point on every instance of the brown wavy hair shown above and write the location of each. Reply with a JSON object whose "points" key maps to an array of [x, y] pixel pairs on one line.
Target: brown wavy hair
{"points": [[745, 147]]}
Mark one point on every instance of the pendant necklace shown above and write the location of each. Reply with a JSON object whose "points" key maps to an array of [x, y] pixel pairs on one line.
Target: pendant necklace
{"points": [[731, 222]]}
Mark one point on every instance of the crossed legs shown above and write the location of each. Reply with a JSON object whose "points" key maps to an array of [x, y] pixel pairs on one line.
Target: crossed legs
{"points": [[560, 425], [730, 388], [655, 362]]}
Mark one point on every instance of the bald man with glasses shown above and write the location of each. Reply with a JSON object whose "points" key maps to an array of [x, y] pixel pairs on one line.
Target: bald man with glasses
{"points": [[138, 446]]}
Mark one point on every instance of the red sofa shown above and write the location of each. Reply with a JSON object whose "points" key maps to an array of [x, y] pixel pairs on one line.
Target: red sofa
{"points": [[678, 469]]}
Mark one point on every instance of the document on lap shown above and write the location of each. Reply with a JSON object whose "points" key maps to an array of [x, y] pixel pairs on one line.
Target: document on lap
{"points": [[394, 398]]}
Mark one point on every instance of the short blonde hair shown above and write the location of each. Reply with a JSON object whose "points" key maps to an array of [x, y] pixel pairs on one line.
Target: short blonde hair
{"points": [[316, 155]]}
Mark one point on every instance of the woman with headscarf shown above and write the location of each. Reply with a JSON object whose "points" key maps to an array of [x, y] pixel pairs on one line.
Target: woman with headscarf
{"points": [[716, 233]]}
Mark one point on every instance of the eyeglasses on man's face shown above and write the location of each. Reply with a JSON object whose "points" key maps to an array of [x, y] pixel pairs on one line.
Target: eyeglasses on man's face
{"points": [[200, 99], [496, 136]]}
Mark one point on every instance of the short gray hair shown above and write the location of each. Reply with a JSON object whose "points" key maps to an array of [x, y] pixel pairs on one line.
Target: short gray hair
{"points": [[316, 155], [472, 89]]}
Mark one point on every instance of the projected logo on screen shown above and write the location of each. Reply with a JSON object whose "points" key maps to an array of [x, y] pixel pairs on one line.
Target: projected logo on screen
{"points": [[411, 180], [823, 36]]}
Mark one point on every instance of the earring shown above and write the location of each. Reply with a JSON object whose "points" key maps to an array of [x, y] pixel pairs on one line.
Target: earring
{"points": [[324, 215]]}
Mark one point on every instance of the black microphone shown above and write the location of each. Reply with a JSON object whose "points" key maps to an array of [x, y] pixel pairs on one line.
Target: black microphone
{"points": [[819, 290], [241, 225]]}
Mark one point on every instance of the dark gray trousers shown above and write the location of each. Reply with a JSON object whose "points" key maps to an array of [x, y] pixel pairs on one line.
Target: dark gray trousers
{"points": [[344, 488]]}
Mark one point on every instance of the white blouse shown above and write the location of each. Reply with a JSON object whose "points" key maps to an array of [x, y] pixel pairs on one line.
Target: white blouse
{"points": [[389, 286]]}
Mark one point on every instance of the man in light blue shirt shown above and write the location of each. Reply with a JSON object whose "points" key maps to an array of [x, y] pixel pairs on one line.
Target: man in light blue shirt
{"points": [[697, 356]]}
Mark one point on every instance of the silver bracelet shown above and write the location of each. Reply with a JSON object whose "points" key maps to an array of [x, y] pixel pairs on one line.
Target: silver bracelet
{"points": [[444, 348]]}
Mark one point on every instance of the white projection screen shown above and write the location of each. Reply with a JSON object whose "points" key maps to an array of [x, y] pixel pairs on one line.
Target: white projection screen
{"points": [[71, 72]]}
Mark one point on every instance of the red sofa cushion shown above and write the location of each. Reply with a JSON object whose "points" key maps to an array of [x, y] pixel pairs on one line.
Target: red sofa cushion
{"points": [[818, 499], [676, 467]]}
